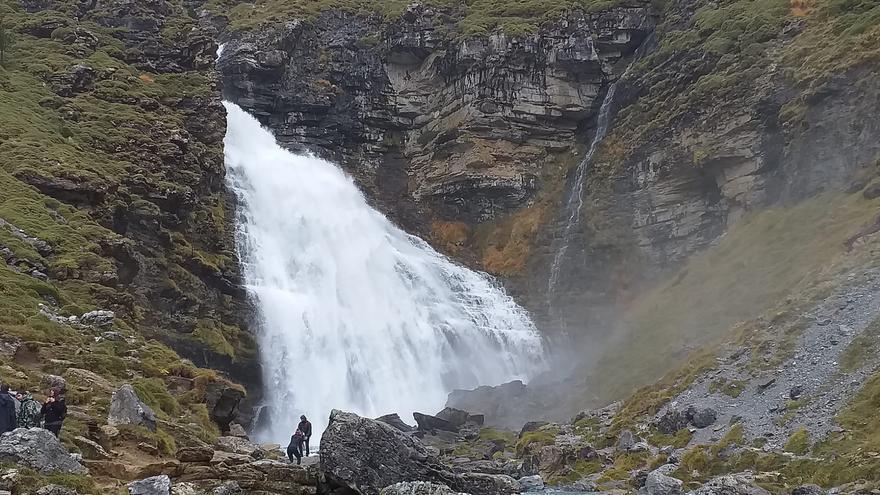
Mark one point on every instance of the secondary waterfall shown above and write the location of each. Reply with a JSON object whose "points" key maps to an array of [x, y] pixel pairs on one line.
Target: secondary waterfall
{"points": [[354, 313], [575, 201]]}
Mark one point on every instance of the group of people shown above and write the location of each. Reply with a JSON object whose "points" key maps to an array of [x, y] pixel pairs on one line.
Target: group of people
{"points": [[23, 411], [300, 440]]}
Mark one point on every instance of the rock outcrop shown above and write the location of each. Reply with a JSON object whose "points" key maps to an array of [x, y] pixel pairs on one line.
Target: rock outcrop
{"points": [[126, 408], [154, 485], [39, 450], [356, 453]]}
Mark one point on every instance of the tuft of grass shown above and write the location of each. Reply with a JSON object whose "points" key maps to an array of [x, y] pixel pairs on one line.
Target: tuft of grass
{"points": [[543, 436], [798, 442], [732, 388], [863, 347]]}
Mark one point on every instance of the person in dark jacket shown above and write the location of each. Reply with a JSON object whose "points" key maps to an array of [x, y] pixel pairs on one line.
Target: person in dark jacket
{"points": [[295, 449], [306, 428], [54, 411], [7, 410]]}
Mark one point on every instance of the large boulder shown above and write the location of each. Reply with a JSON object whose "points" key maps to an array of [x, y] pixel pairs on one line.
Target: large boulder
{"points": [[126, 408], [39, 450], [155, 485], [365, 455], [222, 400], [532, 483], [701, 417], [659, 483], [418, 488]]}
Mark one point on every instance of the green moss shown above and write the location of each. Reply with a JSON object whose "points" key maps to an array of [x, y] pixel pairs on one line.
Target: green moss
{"points": [[679, 440], [579, 470], [155, 394], [211, 333], [543, 436], [623, 465]]}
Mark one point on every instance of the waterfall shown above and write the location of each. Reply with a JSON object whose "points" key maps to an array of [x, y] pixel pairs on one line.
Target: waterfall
{"points": [[575, 201], [355, 313]]}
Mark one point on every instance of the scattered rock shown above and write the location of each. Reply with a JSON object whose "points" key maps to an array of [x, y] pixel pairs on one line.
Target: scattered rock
{"points": [[235, 445], [658, 483], [185, 488], [417, 488], [56, 490], [533, 483], [808, 490], [395, 421], [38, 449], [195, 454], [731, 484], [796, 392], [98, 318], [671, 422], [625, 440], [155, 485], [90, 449], [107, 436], [228, 488], [127, 409]]}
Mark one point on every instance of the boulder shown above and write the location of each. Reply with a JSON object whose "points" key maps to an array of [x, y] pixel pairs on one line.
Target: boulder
{"points": [[236, 430], [808, 490], [90, 449], [195, 454], [98, 318], [236, 445], [533, 483], [155, 485], [418, 488], [672, 421], [395, 421], [54, 381], [356, 454], [701, 417], [731, 484], [56, 490], [426, 422], [532, 426], [222, 401], [39, 450], [625, 440], [658, 483], [127, 409]]}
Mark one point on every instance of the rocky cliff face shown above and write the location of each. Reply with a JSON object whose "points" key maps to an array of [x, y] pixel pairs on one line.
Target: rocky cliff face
{"points": [[434, 127]]}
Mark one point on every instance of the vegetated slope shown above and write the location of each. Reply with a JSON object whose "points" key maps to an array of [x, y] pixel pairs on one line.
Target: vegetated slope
{"points": [[112, 154], [111, 178]]}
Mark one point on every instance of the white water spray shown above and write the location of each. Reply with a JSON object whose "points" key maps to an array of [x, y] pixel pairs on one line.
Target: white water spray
{"points": [[355, 313]]}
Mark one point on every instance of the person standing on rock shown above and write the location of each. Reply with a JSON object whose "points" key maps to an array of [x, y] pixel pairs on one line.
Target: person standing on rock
{"points": [[54, 411], [7, 410], [306, 428], [295, 449], [28, 411]]}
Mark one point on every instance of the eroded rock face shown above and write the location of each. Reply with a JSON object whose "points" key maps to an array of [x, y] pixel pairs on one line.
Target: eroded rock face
{"points": [[460, 126], [39, 450]]}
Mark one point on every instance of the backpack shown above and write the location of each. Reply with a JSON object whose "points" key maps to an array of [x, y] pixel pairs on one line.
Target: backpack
{"points": [[29, 414]]}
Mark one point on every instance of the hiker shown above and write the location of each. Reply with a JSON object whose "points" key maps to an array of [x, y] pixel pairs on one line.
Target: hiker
{"points": [[295, 449], [7, 410], [28, 411], [54, 411], [306, 428]]}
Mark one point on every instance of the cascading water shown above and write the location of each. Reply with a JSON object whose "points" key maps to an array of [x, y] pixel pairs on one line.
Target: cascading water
{"points": [[355, 313], [575, 201]]}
